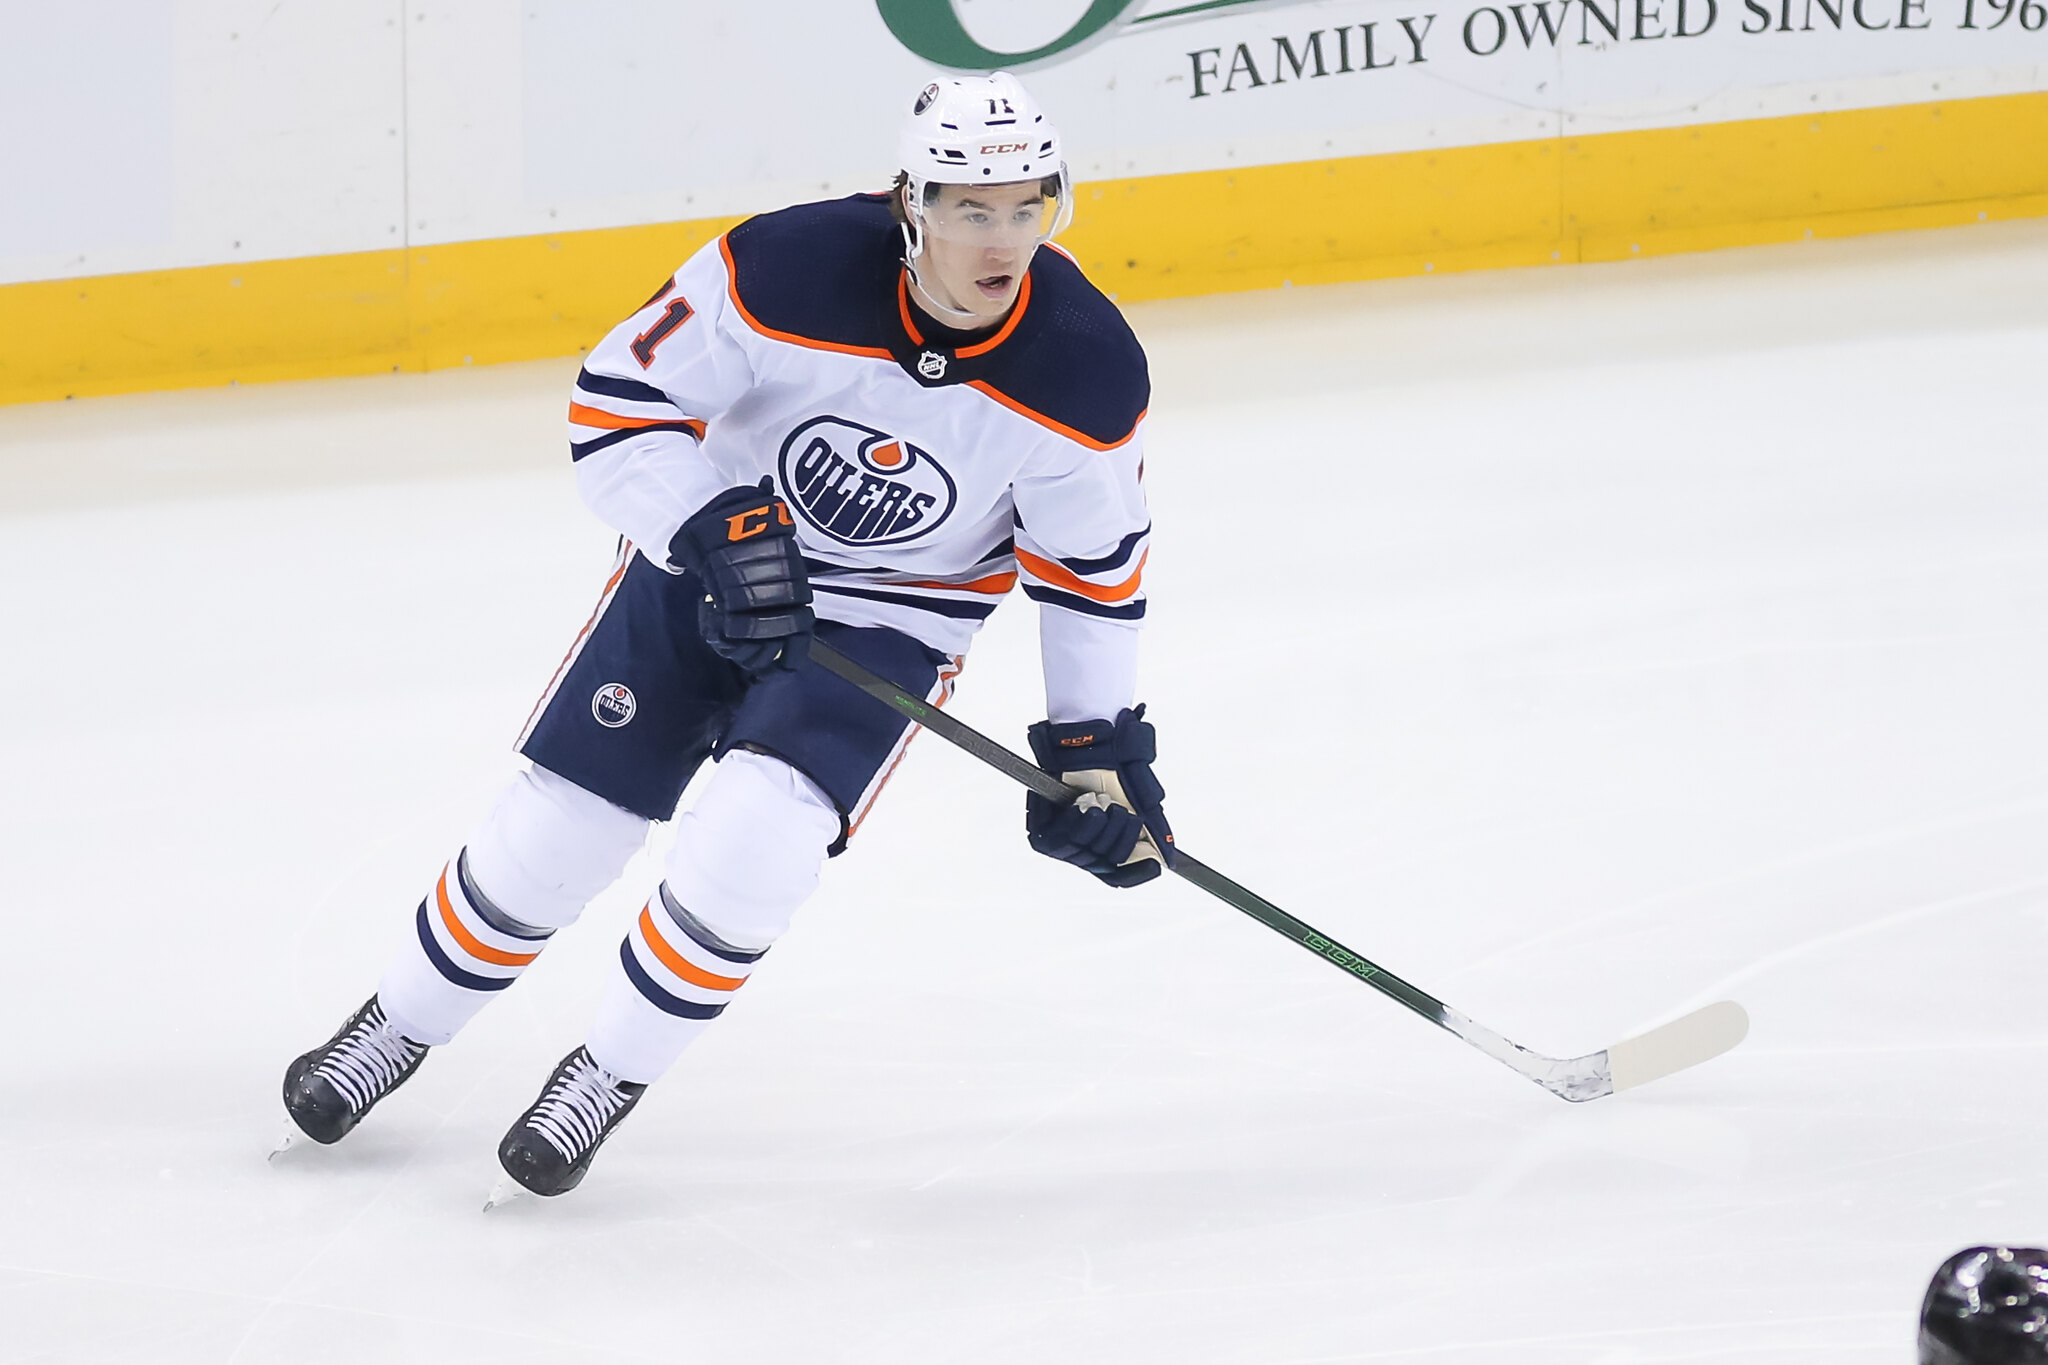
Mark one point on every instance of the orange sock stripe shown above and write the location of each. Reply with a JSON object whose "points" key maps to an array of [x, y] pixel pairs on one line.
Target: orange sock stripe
{"points": [[677, 963], [471, 944]]}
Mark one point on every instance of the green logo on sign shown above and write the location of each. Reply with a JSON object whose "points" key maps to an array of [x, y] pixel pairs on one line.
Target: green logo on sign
{"points": [[932, 29]]}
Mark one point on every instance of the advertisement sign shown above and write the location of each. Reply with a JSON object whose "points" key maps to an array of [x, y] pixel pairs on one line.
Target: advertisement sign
{"points": [[264, 191], [1159, 86]]}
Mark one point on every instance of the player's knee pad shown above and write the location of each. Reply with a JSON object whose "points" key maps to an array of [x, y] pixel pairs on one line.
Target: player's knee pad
{"points": [[747, 853], [549, 846]]}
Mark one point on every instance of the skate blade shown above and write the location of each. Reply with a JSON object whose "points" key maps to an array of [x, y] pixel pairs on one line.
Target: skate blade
{"points": [[506, 1191], [292, 1138]]}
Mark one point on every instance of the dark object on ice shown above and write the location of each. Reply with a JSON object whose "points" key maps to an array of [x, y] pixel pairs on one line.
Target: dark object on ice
{"points": [[1987, 1306], [551, 1145], [328, 1090]]}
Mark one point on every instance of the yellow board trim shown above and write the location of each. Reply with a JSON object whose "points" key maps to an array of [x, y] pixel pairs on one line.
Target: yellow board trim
{"points": [[1557, 200]]}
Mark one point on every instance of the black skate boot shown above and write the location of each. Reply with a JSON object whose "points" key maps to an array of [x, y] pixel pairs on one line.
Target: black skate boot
{"points": [[328, 1090], [550, 1147]]}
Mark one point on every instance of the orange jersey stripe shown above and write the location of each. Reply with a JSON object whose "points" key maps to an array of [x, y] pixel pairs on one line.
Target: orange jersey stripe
{"points": [[1016, 316], [677, 963], [1060, 576], [611, 421], [1050, 423], [995, 585], [471, 944], [979, 348], [903, 308]]}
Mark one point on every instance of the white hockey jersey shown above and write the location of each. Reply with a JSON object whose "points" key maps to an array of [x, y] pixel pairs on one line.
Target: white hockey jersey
{"points": [[928, 472]]}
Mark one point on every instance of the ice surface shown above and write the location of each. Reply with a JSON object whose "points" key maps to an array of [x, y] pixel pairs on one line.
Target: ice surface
{"points": [[1585, 646]]}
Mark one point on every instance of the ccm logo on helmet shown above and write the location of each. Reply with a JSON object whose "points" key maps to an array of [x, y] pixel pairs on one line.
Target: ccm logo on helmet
{"points": [[861, 486], [1004, 148]]}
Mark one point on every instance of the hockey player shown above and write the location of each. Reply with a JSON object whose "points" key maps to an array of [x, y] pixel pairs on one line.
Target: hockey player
{"points": [[867, 418]]}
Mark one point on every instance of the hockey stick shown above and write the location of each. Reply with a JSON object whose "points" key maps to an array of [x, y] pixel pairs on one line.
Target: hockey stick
{"points": [[1684, 1042]]}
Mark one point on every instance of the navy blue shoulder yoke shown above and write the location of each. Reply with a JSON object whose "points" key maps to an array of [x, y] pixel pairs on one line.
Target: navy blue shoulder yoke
{"points": [[830, 275]]}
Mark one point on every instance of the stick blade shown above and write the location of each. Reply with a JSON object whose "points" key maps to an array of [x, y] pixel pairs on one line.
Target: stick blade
{"points": [[1684, 1042]]}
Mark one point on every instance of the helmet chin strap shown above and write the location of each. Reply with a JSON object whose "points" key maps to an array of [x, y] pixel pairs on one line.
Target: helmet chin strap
{"points": [[932, 301], [913, 247], [925, 297]]}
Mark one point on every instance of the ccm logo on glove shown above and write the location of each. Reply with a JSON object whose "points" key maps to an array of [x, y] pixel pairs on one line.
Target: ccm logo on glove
{"points": [[756, 610], [754, 520], [1116, 828]]}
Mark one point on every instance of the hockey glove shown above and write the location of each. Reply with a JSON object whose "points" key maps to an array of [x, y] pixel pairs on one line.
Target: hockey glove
{"points": [[1116, 829], [742, 547]]}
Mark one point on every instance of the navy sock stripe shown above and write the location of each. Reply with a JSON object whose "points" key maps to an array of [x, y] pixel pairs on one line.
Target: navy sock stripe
{"points": [[656, 996], [702, 937], [467, 980]]}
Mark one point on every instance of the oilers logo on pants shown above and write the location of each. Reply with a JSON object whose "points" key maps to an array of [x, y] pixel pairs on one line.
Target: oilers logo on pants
{"points": [[613, 705]]}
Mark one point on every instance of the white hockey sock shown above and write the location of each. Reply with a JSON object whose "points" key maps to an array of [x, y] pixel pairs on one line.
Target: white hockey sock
{"points": [[545, 849], [675, 976], [464, 951], [745, 857]]}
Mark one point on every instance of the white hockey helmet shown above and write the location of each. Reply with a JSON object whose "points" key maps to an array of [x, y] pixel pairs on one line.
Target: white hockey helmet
{"points": [[981, 130]]}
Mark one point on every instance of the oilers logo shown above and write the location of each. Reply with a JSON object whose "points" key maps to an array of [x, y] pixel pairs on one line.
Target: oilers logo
{"points": [[613, 705], [860, 486]]}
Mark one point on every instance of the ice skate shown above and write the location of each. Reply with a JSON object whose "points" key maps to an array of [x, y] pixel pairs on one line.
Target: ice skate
{"points": [[549, 1149], [328, 1090]]}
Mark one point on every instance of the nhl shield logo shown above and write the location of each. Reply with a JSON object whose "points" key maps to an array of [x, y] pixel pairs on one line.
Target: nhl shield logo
{"points": [[613, 705], [932, 365], [861, 486]]}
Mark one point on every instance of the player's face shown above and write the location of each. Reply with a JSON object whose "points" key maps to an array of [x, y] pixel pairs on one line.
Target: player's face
{"points": [[978, 242]]}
